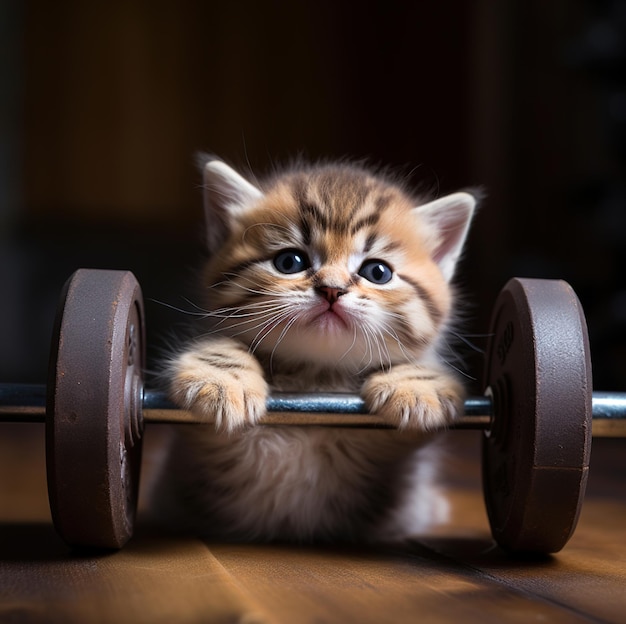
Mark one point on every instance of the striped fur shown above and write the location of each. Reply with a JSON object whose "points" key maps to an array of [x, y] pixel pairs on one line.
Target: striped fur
{"points": [[330, 325]]}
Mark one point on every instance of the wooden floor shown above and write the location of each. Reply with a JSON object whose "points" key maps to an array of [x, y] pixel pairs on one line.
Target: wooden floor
{"points": [[452, 574]]}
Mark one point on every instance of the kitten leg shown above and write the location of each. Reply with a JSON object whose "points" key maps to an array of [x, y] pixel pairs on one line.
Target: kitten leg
{"points": [[413, 397], [217, 379], [426, 505]]}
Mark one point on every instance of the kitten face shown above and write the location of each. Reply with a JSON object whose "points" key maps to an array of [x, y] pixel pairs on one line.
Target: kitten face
{"points": [[330, 265]]}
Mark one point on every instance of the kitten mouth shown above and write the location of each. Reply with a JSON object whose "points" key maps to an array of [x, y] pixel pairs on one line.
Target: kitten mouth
{"points": [[331, 319]]}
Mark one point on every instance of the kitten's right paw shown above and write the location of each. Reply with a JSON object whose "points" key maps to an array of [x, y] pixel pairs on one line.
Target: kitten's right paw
{"points": [[232, 397]]}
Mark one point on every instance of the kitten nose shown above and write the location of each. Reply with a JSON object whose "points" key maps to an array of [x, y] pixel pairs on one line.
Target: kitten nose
{"points": [[330, 294]]}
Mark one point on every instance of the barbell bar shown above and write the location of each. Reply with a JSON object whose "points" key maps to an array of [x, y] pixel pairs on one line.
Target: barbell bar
{"points": [[536, 413], [26, 403]]}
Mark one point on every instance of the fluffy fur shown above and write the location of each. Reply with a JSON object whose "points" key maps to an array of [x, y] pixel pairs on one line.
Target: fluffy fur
{"points": [[321, 278]]}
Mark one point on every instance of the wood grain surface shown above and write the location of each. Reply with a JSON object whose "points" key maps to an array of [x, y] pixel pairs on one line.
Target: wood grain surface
{"points": [[451, 573]]}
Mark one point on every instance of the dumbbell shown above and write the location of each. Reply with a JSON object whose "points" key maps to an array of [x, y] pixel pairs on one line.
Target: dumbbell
{"points": [[536, 413]]}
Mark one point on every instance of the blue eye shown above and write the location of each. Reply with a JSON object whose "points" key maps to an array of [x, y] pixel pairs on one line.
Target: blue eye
{"points": [[376, 272], [291, 261]]}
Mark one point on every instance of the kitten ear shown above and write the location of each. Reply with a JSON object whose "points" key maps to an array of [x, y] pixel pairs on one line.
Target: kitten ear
{"points": [[227, 195], [450, 216]]}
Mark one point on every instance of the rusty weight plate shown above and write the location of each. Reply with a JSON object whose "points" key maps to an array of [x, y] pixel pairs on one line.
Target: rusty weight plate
{"points": [[536, 455], [94, 422]]}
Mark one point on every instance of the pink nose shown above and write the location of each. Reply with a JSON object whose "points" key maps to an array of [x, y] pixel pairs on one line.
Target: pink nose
{"points": [[330, 294]]}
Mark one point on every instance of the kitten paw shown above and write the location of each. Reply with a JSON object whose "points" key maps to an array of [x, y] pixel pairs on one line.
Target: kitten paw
{"points": [[223, 385], [413, 398]]}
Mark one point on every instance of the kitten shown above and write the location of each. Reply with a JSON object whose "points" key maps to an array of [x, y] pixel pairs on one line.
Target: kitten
{"points": [[321, 278]]}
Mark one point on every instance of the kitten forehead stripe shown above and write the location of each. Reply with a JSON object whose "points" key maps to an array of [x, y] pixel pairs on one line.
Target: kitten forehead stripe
{"points": [[391, 247], [382, 201], [299, 188], [433, 309], [367, 221], [309, 209], [370, 242], [305, 229]]}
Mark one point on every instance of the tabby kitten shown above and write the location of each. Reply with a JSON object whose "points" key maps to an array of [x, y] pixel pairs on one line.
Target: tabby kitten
{"points": [[321, 278]]}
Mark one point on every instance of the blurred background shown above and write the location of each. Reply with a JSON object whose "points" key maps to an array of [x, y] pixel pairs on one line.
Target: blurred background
{"points": [[103, 106]]}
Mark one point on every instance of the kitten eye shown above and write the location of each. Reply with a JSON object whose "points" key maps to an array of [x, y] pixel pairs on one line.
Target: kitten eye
{"points": [[291, 261], [376, 272]]}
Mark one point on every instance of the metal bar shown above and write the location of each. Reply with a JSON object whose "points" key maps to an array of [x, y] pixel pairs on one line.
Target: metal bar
{"points": [[22, 402], [322, 409], [609, 415], [27, 403]]}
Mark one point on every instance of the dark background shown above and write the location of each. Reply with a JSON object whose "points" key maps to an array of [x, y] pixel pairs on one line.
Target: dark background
{"points": [[104, 104]]}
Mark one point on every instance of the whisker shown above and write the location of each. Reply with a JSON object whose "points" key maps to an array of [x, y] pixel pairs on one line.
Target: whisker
{"points": [[265, 317], [383, 350], [281, 337], [347, 351], [466, 341], [266, 330], [172, 307], [260, 319], [392, 332], [458, 370], [252, 291], [240, 311], [369, 350]]}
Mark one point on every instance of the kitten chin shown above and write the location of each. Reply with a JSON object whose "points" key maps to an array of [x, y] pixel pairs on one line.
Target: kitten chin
{"points": [[320, 278]]}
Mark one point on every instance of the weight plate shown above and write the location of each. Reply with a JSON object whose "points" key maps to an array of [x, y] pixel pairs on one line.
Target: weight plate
{"points": [[536, 455], [94, 418]]}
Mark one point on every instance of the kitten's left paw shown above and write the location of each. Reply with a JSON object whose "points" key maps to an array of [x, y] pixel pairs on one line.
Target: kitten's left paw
{"points": [[414, 398]]}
